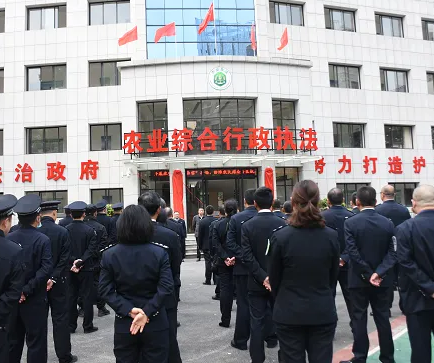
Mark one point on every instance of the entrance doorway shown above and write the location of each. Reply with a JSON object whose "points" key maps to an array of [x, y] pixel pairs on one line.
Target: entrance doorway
{"points": [[215, 186]]}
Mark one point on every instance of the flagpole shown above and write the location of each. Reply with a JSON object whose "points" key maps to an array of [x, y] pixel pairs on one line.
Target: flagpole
{"points": [[215, 30], [256, 40]]}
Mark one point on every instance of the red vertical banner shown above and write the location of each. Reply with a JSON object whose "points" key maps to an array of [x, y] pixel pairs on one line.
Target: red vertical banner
{"points": [[178, 192], [269, 178]]}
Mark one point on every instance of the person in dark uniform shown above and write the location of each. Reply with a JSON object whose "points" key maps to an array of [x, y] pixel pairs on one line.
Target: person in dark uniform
{"points": [[163, 235], [183, 224], [353, 203], [335, 218], [31, 320], [304, 267], [203, 238], [214, 268], [225, 265], [370, 244], [240, 272], [68, 218], [84, 253], [117, 211], [415, 240], [195, 226], [103, 242], [57, 285], [398, 214], [12, 274], [255, 235], [15, 227], [287, 208], [276, 208], [137, 295], [104, 219]]}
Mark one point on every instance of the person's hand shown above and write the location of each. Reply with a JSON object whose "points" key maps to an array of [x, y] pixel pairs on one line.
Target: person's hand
{"points": [[267, 284], [432, 296], [139, 323], [230, 261], [22, 298], [341, 262], [135, 311], [50, 284], [74, 267], [375, 280]]}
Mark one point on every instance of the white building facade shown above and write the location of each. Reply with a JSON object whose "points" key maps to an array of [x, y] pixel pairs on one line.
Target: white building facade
{"points": [[358, 73]]}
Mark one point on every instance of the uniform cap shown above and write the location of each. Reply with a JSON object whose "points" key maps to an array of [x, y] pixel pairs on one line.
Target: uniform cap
{"points": [[90, 209], [27, 205], [50, 205], [7, 203], [78, 206], [101, 204], [66, 208], [118, 206]]}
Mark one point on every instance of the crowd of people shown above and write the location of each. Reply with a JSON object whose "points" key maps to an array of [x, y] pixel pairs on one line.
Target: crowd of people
{"points": [[281, 264]]}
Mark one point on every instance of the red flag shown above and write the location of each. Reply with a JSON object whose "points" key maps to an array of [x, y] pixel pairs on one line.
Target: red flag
{"points": [[129, 36], [168, 30], [284, 40], [208, 17], [253, 37]]}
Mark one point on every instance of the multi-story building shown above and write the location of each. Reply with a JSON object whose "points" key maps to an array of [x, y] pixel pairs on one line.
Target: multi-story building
{"points": [[359, 73]]}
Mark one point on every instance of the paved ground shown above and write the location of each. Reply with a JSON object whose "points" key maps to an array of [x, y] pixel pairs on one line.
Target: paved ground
{"points": [[200, 338]]}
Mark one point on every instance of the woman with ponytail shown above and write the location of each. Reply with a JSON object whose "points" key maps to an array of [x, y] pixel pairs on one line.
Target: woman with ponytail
{"points": [[304, 266], [225, 264]]}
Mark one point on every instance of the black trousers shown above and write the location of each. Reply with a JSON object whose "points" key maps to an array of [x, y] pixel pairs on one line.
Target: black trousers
{"points": [[208, 272], [262, 327], [297, 340], [420, 327], [197, 249], [30, 324], [343, 282], [4, 345], [378, 297], [174, 354], [146, 347], [217, 283], [242, 322], [100, 303], [226, 292], [81, 284], [58, 303]]}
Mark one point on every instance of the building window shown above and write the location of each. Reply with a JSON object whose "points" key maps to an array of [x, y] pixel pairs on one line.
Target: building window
{"points": [[348, 135], [338, 19], [393, 80], [232, 28], [286, 178], [152, 116], [429, 78], [60, 195], [428, 29], [46, 18], [105, 137], [284, 114], [398, 137], [151, 181], [46, 77], [348, 189], [284, 13], [389, 25], [104, 74], [112, 196], [344, 76], [218, 114], [109, 12], [1, 142], [404, 192], [2, 21], [2, 80], [46, 140]]}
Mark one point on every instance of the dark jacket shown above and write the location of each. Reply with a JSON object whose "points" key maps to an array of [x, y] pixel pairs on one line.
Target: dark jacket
{"points": [[415, 239], [396, 212], [219, 234], [370, 243], [183, 234], [255, 236], [195, 224], [114, 229], [15, 227], [335, 218], [356, 210], [303, 270], [136, 276], [12, 275], [280, 214], [106, 221], [233, 239], [84, 244], [211, 235], [101, 232], [60, 247], [65, 221], [36, 256], [203, 236], [177, 228]]}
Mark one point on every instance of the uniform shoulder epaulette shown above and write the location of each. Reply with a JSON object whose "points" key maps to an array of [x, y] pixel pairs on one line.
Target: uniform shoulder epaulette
{"points": [[160, 245], [248, 219], [334, 228], [279, 228], [107, 248]]}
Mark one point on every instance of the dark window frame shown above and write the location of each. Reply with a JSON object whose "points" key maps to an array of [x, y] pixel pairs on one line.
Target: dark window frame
{"points": [[343, 11], [337, 124], [61, 212], [414, 185], [2, 142], [347, 68], [118, 77], [107, 193], [348, 192], [62, 143], [391, 17], [90, 4], [285, 183], [106, 135], [391, 142], [432, 136], [290, 5], [384, 75], [2, 80], [428, 75], [42, 9], [3, 22], [28, 68], [425, 32]]}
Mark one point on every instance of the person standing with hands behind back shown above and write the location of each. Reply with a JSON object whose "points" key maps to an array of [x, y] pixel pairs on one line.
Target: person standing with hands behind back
{"points": [[135, 281]]}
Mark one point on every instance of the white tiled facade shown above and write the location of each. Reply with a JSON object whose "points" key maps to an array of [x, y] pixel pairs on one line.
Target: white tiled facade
{"points": [[299, 73]]}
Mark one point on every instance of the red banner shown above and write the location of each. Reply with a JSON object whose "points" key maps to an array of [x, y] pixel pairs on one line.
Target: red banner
{"points": [[178, 193], [269, 178]]}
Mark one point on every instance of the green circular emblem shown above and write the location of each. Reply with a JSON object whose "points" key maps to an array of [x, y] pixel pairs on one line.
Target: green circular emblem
{"points": [[220, 78]]}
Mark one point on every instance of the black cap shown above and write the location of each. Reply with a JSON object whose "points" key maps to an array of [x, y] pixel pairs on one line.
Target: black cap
{"points": [[7, 203], [118, 206], [90, 209], [28, 205], [66, 208], [50, 205], [78, 206], [101, 205]]}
